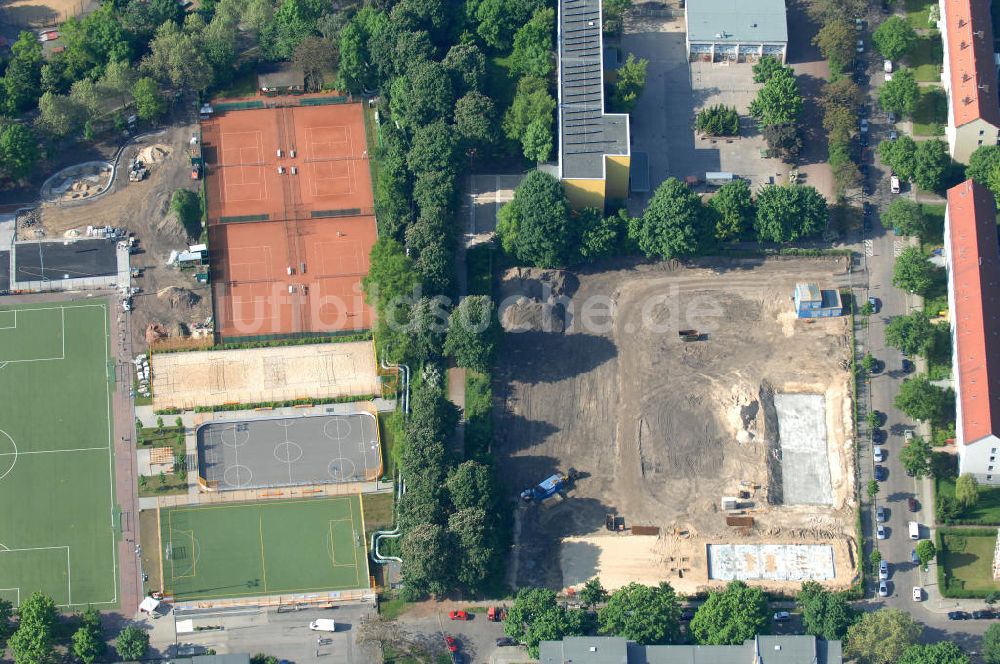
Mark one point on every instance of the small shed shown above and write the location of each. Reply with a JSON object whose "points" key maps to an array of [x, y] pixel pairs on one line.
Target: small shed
{"points": [[281, 81], [813, 302]]}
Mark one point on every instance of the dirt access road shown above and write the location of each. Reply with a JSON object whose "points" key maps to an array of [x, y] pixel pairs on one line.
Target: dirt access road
{"points": [[169, 296], [662, 429]]}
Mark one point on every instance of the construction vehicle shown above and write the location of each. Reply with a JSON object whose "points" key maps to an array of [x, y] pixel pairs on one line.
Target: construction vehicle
{"points": [[137, 171], [548, 487], [689, 335], [496, 614], [194, 152], [615, 524]]}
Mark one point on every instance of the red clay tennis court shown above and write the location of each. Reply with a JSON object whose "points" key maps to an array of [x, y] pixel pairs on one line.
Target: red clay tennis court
{"points": [[290, 219]]}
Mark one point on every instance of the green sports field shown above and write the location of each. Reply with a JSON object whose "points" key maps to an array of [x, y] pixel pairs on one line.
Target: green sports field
{"points": [[58, 529], [267, 548]]}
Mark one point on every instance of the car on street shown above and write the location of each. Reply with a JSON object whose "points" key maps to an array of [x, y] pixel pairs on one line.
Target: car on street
{"points": [[451, 643], [887, 66], [891, 117], [506, 641], [868, 208], [918, 593], [323, 625], [864, 124], [881, 473], [864, 139], [880, 532], [878, 454], [958, 615], [875, 304], [914, 558], [908, 435], [878, 436], [861, 46], [912, 504], [880, 514], [908, 367], [782, 616], [893, 135], [883, 570], [894, 184], [458, 615], [983, 615], [883, 589]]}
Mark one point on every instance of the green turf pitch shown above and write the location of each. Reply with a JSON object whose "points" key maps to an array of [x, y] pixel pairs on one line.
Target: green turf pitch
{"points": [[268, 548], [57, 532]]}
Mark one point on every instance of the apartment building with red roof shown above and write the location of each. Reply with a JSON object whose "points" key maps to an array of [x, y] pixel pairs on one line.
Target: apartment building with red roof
{"points": [[969, 76], [974, 305]]}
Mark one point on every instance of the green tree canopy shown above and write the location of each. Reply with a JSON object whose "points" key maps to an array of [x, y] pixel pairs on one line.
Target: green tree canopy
{"points": [[942, 652], [434, 149], [881, 637], [644, 614], [916, 457], [630, 83], [921, 400], [836, 41], [913, 272], [88, 640], [536, 616], [422, 95], [471, 484], [991, 644], [779, 101], [913, 334], [593, 593], [149, 103], [473, 333], [786, 213], [764, 68], [132, 643], [905, 215], [718, 120], [783, 140], [533, 45], [18, 150], [983, 164], [6, 622], [966, 490], [469, 529], [674, 224], [428, 559], [23, 75], [931, 162], [825, 614], [176, 56], [475, 118], [926, 551], [900, 94], [734, 208], [731, 616], [900, 156], [894, 37], [535, 226], [532, 104], [467, 66]]}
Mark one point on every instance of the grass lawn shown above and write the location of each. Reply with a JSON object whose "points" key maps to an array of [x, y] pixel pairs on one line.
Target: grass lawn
{"points": [[918, 13], [501, 82], [935, 224], [170, 483], [149, 535], [931, 112], [925, 58], [275, 547], [986, 511], [967, 560], [59, 531], [479, 265], [478, 414], [244, 84], [377, 510]]}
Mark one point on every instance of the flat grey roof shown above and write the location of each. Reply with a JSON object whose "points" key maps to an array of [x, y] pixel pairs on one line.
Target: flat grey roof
{"points": [[762, 650], [748, 21], [586, 134]]}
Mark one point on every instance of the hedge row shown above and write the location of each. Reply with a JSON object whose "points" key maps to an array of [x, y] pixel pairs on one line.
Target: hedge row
{"points": [[291, 403], [243, 345]]}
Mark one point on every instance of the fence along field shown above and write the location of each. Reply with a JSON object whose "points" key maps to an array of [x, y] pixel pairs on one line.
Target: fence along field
{"points": [[56, 459]]}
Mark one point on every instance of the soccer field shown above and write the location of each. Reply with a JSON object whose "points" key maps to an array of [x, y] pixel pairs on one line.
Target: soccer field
{"points": [[58, 530], [268, 548]]}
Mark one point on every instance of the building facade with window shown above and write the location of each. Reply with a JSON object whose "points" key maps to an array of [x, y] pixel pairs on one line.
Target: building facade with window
{"points": [[736, 30], [969, 76], [973, 261]]}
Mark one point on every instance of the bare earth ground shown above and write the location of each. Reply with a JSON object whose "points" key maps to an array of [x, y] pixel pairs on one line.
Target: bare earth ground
{"points": [[662, 429], [169, 296]]}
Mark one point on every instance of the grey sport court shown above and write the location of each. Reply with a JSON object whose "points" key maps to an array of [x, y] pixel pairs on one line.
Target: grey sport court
{"points": [[289, 451]]}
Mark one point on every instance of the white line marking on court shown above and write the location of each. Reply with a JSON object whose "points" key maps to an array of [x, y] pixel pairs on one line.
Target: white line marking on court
{"points": [[18, 595], [75, 449]]}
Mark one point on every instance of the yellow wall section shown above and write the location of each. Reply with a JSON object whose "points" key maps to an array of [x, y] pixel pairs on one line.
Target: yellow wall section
{"points": [[585, 193], [617, 168]]}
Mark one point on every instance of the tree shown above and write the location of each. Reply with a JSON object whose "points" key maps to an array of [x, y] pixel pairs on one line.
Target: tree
{"points": [[614, 15], [764, 68], [825, 614], [894, 37], [469, 528], [836, 41], [921, 400], [532, 102], [872, 489], [149, 104], [841, 93], [315, 56], [262, 658], [467, 66], [536, 616], [23, 75], [6, 624], [966, 490], [786, 213], [88, 640], [931, 162], [839, 122], [913, 272], [59, 115], [731, 616], [779, 101], [498, 20], [674, 223], [176, 56], [783, 141], [718, 120], [18, 150], [475, 118], [913, 334], [352, 68], [900, 156], [602, 236], [533, 45], [900, 94], [428, 562], [991, 644], [537, 140], [868, 364], [906, 216], [471, 484], [293, 21], [926, 552], [983, 164], [630, 83], [916, 457], [31, 644], [473, 333], [132, 643], [434, 149], [644, 614], [880, 637], [942, 652], [734, 207], [535, 227], [592, 593], [422, 95]]}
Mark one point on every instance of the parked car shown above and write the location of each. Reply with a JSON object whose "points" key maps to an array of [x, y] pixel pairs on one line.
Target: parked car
{"points": [[451, 643], [907, 435], [323, 625], [458, 615], [880, 514], [878, 436], [891, 117], [880, 532], [875, 303], [918, 593], [958, 615], [881, 473], [908, 366], [887, 66], [912, 504], [983, 615], [864, 124], [914, 558], [883, 589], [878, 454], [863, 139], [782, 616], [883, 570], [506, 641], [861, 46], [894, 184], [893, 134]]}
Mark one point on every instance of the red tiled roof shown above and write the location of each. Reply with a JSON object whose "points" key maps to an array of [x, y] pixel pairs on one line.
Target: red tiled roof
{"points": [[970, 61], [975, 276]]}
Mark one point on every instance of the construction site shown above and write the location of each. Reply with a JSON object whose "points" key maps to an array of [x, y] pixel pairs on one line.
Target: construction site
{"points": [[691, 427]]}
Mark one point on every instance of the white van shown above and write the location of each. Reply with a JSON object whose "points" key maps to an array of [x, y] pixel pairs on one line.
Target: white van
{"points": [[894, 184], [323, 625], [914, 530]]}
